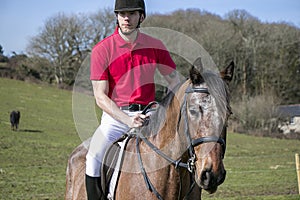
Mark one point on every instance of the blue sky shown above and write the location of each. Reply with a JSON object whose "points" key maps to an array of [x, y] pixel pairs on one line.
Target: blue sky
{"points": [[21, 19]]}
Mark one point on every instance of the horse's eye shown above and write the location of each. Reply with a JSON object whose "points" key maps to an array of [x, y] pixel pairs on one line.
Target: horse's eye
{"points": [[206, 102], [206, 99], [193, 112]]}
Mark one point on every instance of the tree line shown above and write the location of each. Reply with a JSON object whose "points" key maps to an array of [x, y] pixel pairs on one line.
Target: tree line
{"points": [[267, 55]]}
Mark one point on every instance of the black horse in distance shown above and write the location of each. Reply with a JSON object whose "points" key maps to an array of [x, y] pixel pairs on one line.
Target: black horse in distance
{"points": [[15, 119]]}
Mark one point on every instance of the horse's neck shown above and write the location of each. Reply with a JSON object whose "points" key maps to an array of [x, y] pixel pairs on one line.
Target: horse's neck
{"points": [[169, 139], [171, 142]]}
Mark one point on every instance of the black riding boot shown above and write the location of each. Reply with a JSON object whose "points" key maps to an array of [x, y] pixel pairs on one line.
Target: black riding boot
{"points": [[93, 188]]}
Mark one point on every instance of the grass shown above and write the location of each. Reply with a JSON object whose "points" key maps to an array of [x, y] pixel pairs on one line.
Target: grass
{"points": [[259, 168], [33, 160]]}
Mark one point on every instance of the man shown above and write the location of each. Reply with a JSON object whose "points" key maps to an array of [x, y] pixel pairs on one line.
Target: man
{"points": [[122, 75]]}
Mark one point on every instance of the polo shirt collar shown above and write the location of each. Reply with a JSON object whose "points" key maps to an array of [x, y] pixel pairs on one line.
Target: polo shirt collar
{"points": [[122, 43]]}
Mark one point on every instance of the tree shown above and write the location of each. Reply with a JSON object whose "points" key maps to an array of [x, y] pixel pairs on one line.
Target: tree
{"points": [[1, 50], [245, 37], [65, 40], [3, 58], [101, 25]]}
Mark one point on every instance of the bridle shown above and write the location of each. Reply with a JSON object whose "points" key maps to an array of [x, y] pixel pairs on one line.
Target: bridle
{"points": [[190, 164], [196, 142]]}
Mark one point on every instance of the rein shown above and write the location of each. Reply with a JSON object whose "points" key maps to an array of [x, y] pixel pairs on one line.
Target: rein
{"points": [[190, 164]]}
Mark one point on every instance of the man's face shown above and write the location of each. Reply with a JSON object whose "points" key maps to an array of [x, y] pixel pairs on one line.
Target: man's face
{"points": [[128, 20]]}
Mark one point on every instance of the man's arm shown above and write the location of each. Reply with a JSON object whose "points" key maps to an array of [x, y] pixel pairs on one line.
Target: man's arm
{"points": [[100, 89], [172, 79]]}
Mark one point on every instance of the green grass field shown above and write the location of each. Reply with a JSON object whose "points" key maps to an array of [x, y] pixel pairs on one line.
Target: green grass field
{"points": [[33, 160]]}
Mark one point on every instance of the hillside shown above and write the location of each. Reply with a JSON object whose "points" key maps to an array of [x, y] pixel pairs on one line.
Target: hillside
{"points": [[33, 160]]}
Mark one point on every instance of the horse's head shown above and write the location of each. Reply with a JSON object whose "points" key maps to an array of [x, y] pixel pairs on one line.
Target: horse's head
{"points": [[207, 109]]}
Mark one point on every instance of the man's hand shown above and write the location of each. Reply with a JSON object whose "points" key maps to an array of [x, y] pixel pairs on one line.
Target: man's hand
{"points": [[138, 120]]}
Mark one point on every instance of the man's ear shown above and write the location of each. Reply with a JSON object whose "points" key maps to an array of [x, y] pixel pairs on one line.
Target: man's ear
{"points": [[142, 18]]}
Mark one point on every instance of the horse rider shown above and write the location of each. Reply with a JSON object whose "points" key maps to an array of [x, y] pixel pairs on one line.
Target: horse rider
{"points": [[122, 74]]}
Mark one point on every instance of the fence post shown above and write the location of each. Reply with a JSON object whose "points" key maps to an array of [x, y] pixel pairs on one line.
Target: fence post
{"points": [[298, 170]]}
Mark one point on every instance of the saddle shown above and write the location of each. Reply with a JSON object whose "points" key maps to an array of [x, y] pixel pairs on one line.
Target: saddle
{"points": [[113, 159]]}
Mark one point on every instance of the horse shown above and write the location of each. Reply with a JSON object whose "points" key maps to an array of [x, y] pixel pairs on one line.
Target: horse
{"points": [[180, 152], [15, 119]]}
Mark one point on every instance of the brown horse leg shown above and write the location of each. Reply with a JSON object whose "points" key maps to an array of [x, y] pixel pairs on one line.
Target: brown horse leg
{"points": [[75, 174]]}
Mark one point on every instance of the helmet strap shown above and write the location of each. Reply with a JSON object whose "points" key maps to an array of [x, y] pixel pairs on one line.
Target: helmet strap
{"points": [[139, 24]]}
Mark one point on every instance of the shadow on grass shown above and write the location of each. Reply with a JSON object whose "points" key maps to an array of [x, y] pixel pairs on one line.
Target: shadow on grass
{"points": [[30, 131]]}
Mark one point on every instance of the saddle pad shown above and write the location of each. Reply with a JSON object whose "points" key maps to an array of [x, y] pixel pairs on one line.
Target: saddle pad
{"points": [[112, 155]]}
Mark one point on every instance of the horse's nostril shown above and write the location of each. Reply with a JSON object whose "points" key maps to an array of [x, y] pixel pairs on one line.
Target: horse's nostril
{"points": [[206, 177]]}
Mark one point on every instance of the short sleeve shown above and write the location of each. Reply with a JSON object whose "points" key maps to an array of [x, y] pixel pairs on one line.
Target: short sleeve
{"points": [[99, 66]]}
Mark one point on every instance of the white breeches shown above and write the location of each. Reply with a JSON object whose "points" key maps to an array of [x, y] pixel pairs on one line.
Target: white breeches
{"points": [[109, 131]]}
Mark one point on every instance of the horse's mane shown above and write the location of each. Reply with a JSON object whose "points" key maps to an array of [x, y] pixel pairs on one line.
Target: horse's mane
{"points": [[218, 88], [158, 118]]}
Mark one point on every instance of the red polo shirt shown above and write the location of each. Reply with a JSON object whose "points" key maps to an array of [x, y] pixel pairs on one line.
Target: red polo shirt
{"points": [[129, 68]]}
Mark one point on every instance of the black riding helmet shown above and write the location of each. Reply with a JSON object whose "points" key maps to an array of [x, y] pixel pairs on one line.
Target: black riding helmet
{"points": [[130, 5]]}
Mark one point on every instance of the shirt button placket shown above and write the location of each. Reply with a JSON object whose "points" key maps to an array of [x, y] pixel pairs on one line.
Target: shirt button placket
{"points": [[132, 58]]}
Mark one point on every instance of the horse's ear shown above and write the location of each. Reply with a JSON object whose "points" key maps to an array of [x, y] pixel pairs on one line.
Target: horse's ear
{"points": [[227, 72], [195, 72], [198, 64]]}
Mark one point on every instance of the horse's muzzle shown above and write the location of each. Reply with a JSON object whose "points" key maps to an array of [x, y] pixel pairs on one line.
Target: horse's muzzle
{"points": [[209, 181]]}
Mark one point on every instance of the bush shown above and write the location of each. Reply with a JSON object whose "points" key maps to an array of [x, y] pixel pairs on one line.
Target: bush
{"points": [[255, 114], [3, 59]]}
